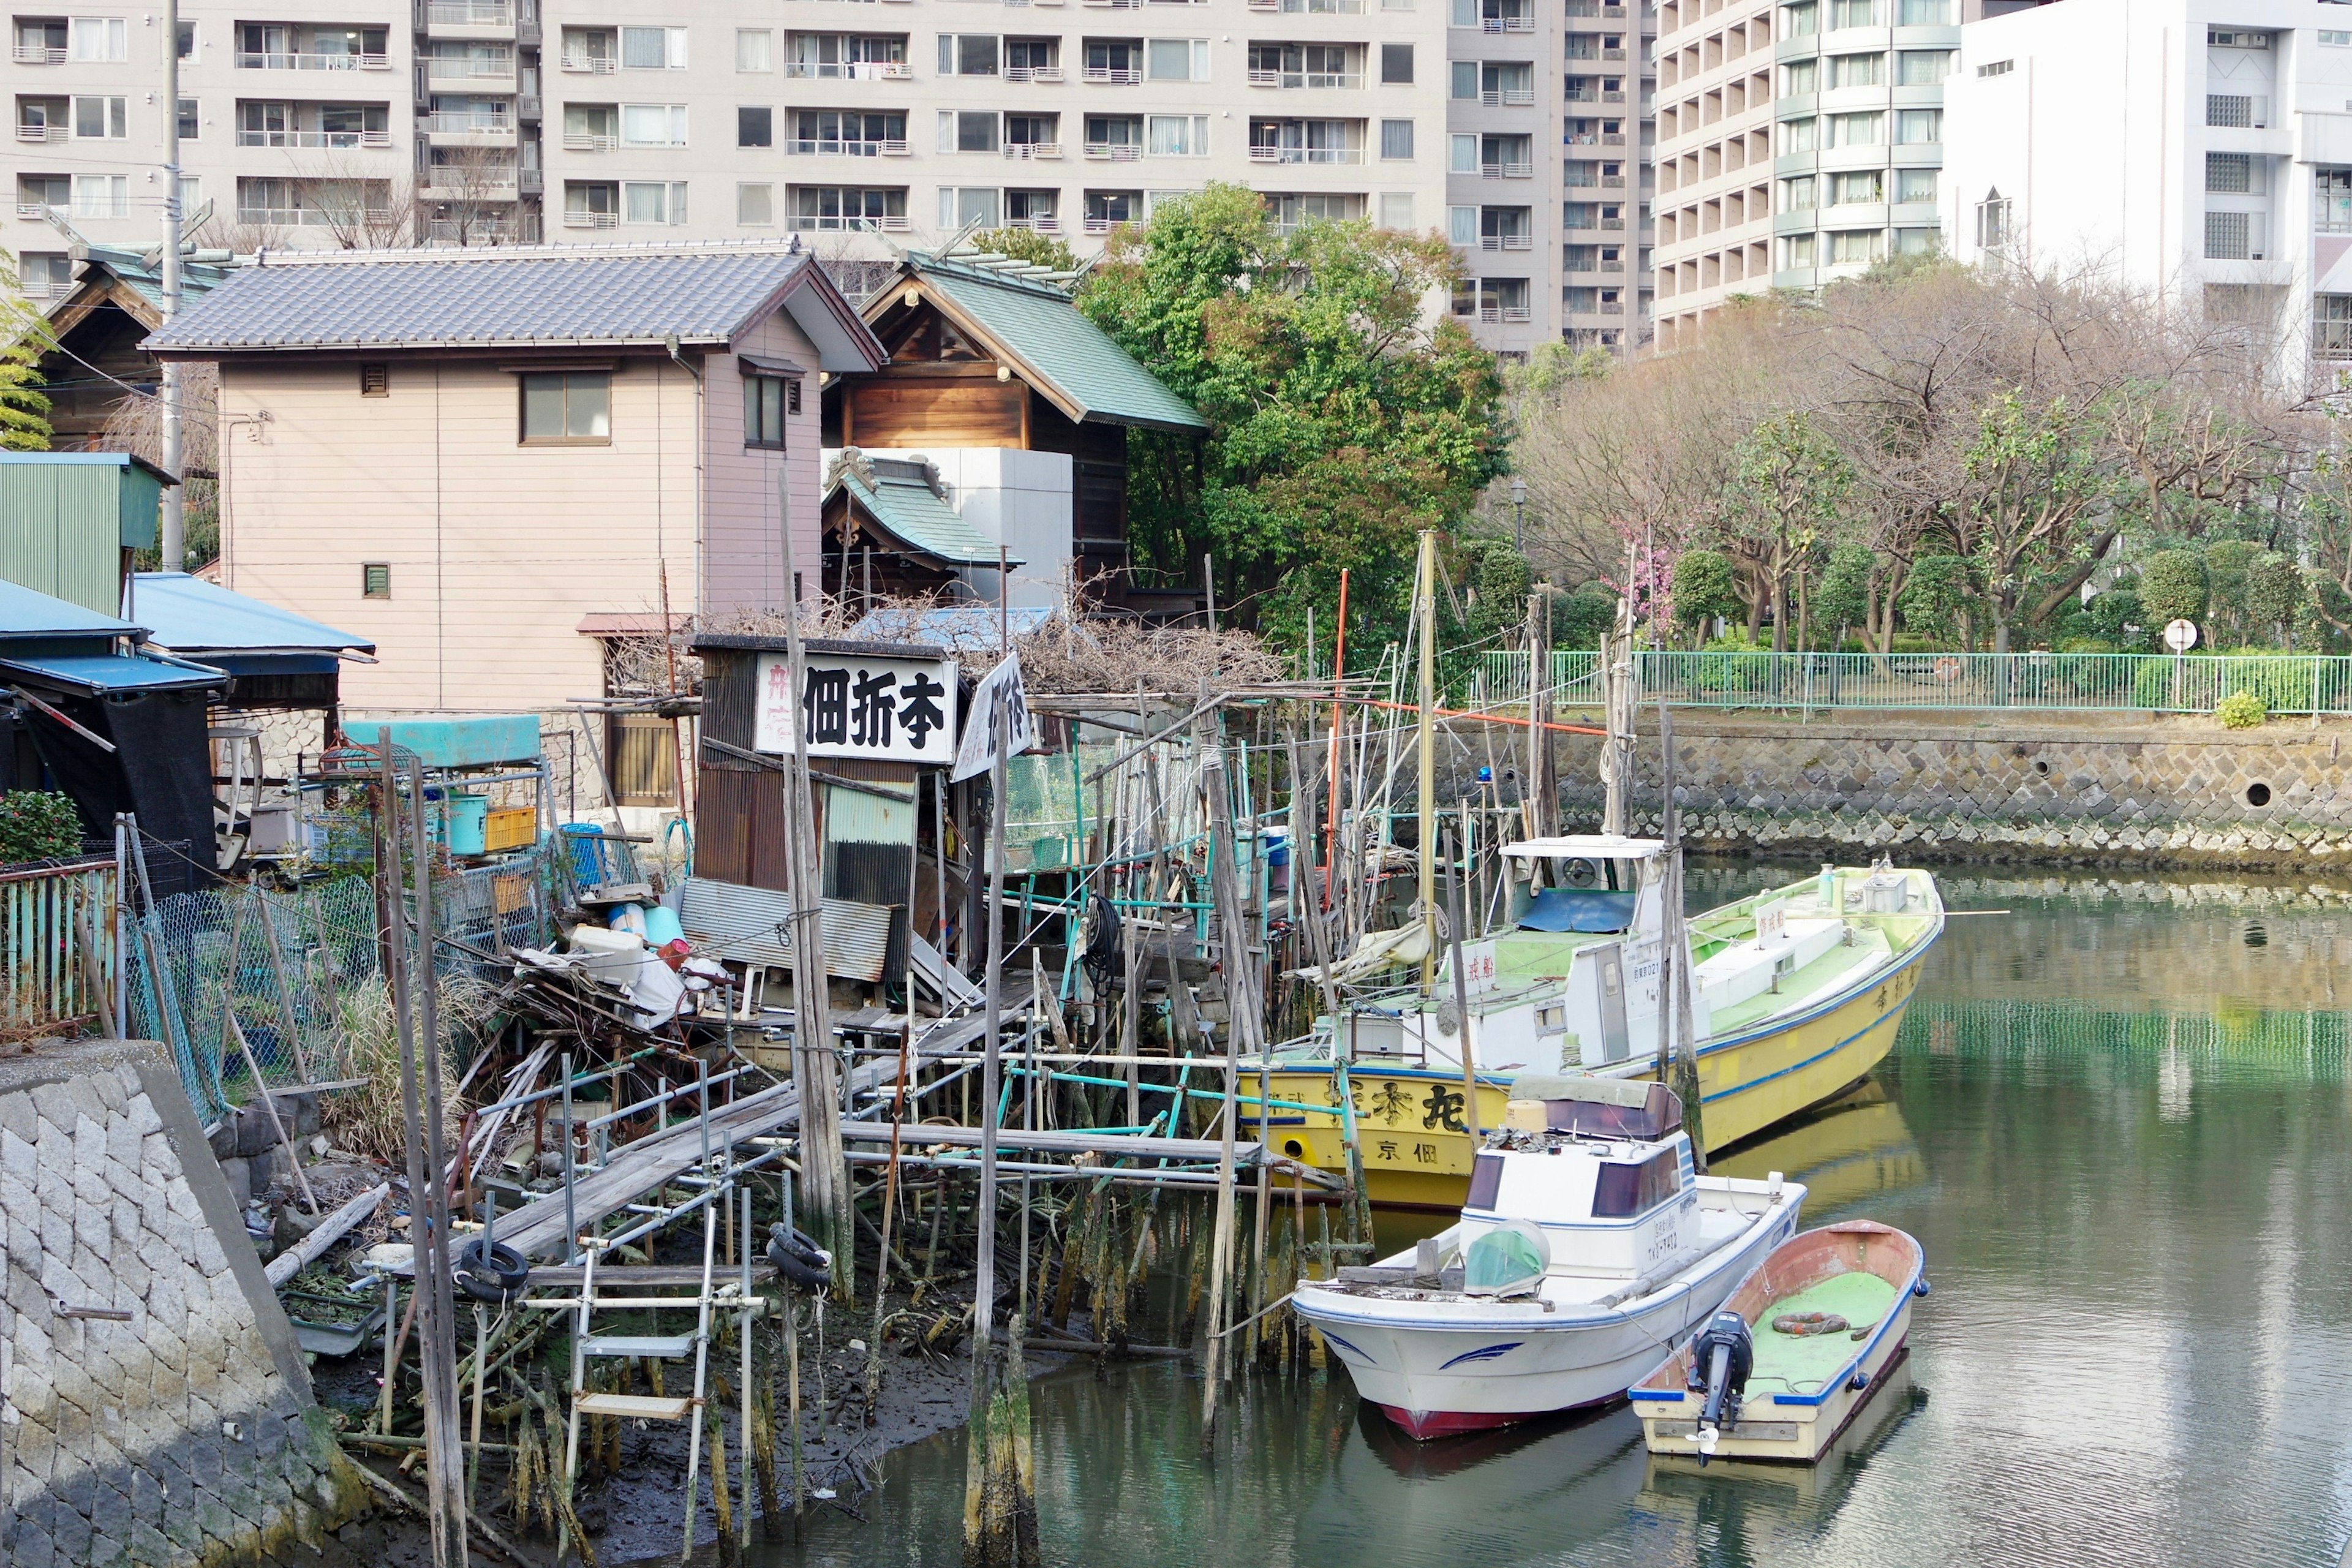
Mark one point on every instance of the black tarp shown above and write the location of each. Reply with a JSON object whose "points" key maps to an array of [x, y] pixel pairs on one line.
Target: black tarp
{"points": [[161, 769]]}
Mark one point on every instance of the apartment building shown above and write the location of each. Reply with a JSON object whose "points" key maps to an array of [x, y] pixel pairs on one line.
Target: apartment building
{"points": [[1797, 144], [361, 122], [1607, 131], [2199, 148]]}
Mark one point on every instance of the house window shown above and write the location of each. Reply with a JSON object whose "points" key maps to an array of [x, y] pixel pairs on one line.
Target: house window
{"points": [[755, 205], [1396, 64], [572, 408], [754, 50], [98, 120], [2229, 236], [768, 400], [1914, 185], [375, 580], [375, 379], [653, 49], [653, 125], [1914, 126], [1396, 209], [190, 120], [1176, 59], [653, 201], [755, 125], [1992, 221], [1396, 141], [2331, 326]]}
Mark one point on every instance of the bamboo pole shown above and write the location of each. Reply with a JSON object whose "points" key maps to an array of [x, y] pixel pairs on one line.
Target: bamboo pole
{"points": [[1237, 969], [1461, 1007], [1425, 610], [1674, 979]]}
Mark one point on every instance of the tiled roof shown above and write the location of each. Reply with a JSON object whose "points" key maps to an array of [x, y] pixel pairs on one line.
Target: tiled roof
{"points": [[129, 265], [480, 299], [900, 500], [1039, 329]]}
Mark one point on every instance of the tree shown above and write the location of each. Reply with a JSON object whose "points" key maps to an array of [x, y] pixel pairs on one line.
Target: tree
{"points": [[1342, 418], [1935, 599], [2032, 476], [2173, 587], [1845, 600], [1028, 245], [25, 337], [1788, 479], [2276, 594], [1705, 588]]}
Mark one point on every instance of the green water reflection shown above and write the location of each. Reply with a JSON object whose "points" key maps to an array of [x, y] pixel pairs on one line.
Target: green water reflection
{"points": [[2118, 1119]]}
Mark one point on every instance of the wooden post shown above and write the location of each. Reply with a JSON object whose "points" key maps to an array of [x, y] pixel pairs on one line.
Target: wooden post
{"points": [[1237, 986], [1461, 1007], [1674, 977], [824, 1170], [1426, 609], [1542, 784]]}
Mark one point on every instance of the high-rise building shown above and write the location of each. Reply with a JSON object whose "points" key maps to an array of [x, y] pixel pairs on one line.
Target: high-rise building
{"points": [[2199, 149], [1607, 132], [364, 123], [1797, 144]]}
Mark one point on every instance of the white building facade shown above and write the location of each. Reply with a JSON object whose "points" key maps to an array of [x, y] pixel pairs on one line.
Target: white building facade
{"points": [[2199, 148], [359, 123], [1797, 144]]}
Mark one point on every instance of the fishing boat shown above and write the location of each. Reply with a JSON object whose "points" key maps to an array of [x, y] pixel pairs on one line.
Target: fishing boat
{"points": [[1794, 994], [1801, 1347], [1587, 1251]]}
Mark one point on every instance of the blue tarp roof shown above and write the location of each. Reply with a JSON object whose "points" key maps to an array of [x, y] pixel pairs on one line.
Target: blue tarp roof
{"points": [[190, 616], [113, 672], [956, 626], [28, 613], [1578, 909]]}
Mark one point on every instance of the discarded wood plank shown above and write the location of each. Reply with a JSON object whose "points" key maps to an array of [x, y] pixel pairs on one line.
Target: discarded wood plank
{"points": [[330, 1230]]}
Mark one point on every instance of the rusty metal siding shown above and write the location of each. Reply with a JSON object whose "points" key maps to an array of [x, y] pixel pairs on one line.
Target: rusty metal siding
{"points": [[731, 699], [752, 925], [44, 914]]}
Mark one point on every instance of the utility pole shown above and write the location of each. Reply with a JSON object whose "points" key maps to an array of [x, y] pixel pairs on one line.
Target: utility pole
{"points": [[175, 542]]}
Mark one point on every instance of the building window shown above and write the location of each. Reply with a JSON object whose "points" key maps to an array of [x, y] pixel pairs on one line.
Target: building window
{"points": [[2229, 236], [2332, 203], [1917, 241], [187, 40], [1914, 185], [1992, 221], [2230, 110], [755, 205], [1858, 129], [1176, 59], [1923, 67], [375, 580], [754, 50], [1801, 21], [653, 49], [1396, 141], [1997, 68], [99, 120], [972, 206], [1464, 87], [1463, 155], [191, 122], [1923, 13], [375, 378], [101, 38], [1799, 135], [755, 125], [569, 409], [1796, 195], [1396, 64], [2334, 38], [968, 54], [1853, 246], [2232, 173], [654, 202], [969, 131], [2331, 326], [1177, 136], [1396, 209], [1853, 14], [1800, 77], [653, 125], [1797, 251], [768, 400], [1462, 225], [1915, 126], [1861, 186], [1857, 70]]}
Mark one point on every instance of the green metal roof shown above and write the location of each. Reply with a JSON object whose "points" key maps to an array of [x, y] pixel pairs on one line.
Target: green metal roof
{"points": [[1039, 329], [901, 500], [133, 267]]}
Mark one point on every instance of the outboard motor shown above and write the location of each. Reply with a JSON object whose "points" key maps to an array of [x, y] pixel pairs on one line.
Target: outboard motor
{"points": [[1722, 1356]]}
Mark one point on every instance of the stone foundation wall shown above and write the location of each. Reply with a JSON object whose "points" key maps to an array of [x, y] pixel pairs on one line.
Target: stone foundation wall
{"points": [[187, 1434], [1983, 787]]}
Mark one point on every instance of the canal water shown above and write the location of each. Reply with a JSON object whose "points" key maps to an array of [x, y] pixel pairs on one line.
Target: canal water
{"points": [[2119, 1119]]}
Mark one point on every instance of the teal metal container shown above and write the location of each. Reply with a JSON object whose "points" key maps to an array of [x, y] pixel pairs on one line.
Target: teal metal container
{"points": [[465, 817], [479, 741]]}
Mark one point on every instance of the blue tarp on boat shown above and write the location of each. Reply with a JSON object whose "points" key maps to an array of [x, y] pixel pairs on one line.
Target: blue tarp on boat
{"points": [[1595, 910]]}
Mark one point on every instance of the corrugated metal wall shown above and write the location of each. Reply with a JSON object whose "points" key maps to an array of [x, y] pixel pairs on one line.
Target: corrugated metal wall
{"points": [[61, 530]]}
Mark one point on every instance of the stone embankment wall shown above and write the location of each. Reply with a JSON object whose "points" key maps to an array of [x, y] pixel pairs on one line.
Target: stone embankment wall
{"points": [[185, 1434], [1979, 786]]}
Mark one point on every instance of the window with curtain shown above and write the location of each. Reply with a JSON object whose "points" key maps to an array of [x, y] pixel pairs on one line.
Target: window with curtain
{"points": [[571, 407]]}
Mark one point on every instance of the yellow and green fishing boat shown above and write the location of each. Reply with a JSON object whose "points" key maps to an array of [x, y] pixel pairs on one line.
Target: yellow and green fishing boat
{"points": [[1793, 995]]}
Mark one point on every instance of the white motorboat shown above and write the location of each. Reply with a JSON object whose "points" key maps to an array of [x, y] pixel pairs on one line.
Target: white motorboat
{"points": [[1588, 1254]]}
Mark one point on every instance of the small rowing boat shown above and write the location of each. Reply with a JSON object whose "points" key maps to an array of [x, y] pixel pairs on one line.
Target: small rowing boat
{"points": [[1587, 1251], [1802, 1345]]}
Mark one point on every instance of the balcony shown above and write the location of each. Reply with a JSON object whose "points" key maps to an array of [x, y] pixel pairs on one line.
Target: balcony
{"points": [[281, 61], [469, 129], [1113, 76], [576, 219], [1042, 222], [894, 147], [1612, 224], [1506, 242], [469, 13], [1514, 313], [1311, 7], [314, 139], [1508, 97], [311, 217], [1033, 73], [1114, 152], [1506, 25], [1507, 171], [478, 76], [1262, 154], [850, 71], [589, 142], [37, 212], [483, 231], [589, 64], [1030, 151], [1101, 225], [837, 223], [42, 133], [1290, 80], [39, 55]]}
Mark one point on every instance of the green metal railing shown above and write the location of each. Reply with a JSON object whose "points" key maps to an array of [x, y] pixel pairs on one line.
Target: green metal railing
{"points": [[2049, 682]]}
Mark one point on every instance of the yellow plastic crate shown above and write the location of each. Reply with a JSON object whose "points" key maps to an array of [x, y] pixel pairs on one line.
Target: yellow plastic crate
{"points": [[512, 827]]}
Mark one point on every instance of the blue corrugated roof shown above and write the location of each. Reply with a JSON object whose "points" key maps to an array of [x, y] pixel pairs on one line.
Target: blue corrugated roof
{"points": [[113, 672], [1039, 329], [192, 615], [958, 626], [483, 298], [26, 613]]}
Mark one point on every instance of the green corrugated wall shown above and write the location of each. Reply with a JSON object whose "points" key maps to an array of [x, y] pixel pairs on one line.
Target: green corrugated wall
{"points": [[63, 527]]}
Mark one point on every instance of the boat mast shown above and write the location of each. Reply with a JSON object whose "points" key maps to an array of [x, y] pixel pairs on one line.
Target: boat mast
{"points": [[1425, 593]]}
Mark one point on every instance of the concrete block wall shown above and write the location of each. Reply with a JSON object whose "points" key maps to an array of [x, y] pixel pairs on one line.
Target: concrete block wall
{"points": [[186, 1435]]}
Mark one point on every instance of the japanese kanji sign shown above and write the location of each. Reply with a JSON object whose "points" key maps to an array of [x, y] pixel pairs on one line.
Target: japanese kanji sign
{"points": [[903, 709], [1001, 689]]}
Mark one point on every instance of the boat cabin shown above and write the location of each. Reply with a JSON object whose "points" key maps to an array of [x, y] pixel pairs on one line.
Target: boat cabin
{"points": [[1604, 1161]]}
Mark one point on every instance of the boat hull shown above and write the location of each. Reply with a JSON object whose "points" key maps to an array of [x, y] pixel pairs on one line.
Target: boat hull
{"points": [[1416, 1145], [1476, 1364]]}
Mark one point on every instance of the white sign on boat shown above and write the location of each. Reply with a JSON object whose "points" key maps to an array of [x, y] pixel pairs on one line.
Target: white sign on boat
{"points": [[859, 705]]}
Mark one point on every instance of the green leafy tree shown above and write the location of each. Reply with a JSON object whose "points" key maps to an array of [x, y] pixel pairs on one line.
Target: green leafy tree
{"points": [[1936, 598], [1845, 587], [2173, 587], [2226, 562], [2032, 479], [1705, 586], [1580, 620], [2114, 612], [25, 337], [2276, 594], [1028, 245], [1788, 483], [1342, 418]]}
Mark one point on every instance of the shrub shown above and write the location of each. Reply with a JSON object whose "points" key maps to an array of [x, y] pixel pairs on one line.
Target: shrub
{"points": [[38, 824], [2241, 711], [2172, 587], [1704, 586]]}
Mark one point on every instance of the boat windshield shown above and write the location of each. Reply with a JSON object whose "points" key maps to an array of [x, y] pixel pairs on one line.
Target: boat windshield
{"points": [[1511, 1257]]}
